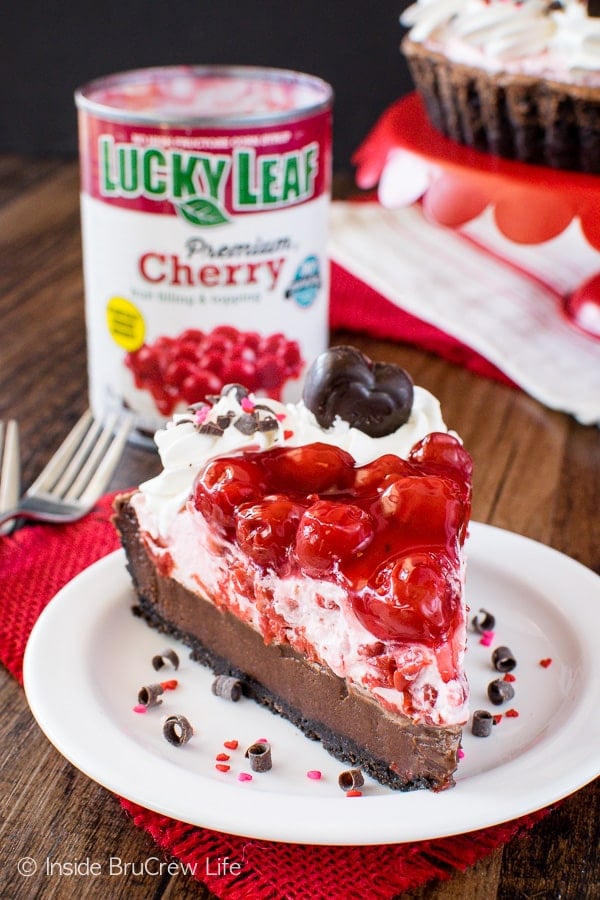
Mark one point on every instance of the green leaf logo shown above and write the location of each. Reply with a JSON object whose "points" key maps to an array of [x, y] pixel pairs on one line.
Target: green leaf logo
{"points": [[201, 212]]}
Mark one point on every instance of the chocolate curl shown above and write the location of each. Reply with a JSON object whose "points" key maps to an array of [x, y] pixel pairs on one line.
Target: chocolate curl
{"points": [[177, 730], [482, 723], [228, 687], [500, 691], [149, 695], [161, 659], [351, 779], [259, 756], [503, 659]]}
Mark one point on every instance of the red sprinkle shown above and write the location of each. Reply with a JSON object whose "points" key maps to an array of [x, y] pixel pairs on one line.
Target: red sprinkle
{"points": [[140, 708], [497, 718], [231, 745], [169, 685], [314, 774], [288, 434], [486, 638], [512, 713], [545, 662], [510, 677], [222, 757], [222, 767], [244, 776], [353, 793]]}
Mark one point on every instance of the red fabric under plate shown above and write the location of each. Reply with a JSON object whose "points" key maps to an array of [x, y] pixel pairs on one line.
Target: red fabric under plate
{"points": [[35, 563]]}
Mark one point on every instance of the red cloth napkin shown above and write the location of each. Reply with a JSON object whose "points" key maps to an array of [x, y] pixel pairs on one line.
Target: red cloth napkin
{"points": [[35, 563]]}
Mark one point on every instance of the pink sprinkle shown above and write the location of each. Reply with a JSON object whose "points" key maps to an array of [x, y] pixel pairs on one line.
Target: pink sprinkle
{"points": [[201, 414], [261, 741], [139, 709], [244, 776], [461, 754], [247, 404], [314, 774], [486, 638]]}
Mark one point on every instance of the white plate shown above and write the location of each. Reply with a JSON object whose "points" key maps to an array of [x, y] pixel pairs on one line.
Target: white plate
{"points": [[88, 656]]}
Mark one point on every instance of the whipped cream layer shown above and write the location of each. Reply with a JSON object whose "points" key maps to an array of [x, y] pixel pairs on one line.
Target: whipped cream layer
{"points": [[555, 41], [317, 615]]}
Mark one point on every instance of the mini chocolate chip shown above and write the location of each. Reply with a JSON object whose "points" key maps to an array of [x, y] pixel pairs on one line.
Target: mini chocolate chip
{"points": [[376, 398], [483, 621], [149, 695], [228, 687], [503, 660], [167, 655], [259, 756], [499, 691], [177, 730], [351, 779], [482, 723]]}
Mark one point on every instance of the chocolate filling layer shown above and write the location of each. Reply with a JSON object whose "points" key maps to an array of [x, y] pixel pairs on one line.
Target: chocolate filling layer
{"points": [[350, 724]]}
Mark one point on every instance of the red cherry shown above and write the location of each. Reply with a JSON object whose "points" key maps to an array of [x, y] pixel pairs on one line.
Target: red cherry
{"points": [[415, 598], [311, 469], [197, 386], [440, 451], [266, 529], [223, 485], [424, 511], [379, 473], [331, 532]]}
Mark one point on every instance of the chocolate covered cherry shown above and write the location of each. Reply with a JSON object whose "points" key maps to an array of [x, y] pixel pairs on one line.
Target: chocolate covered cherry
{"points": [[374, 397]]}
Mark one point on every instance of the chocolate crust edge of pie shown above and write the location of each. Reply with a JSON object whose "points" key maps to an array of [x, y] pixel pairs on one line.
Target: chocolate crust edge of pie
{"points": [[351, 726]]}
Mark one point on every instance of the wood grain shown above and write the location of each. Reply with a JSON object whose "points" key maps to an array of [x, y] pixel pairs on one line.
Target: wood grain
{"points": [[537, 472]]}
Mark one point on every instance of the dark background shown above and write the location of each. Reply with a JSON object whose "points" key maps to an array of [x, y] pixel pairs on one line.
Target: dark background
{"points": [[47, 49]]}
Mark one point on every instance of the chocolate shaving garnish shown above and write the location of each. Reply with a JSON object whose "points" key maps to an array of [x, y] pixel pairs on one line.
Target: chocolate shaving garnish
{"points": [[211, 428], [482, 723], [238, 390], [266, 419], [374, 397], [228, 687], [225, 421], [483, 621], [246, 423], [149, 695], [503, 660], [177, 730], [161, 659], [351, 779], [499, 691], [259, 756]]}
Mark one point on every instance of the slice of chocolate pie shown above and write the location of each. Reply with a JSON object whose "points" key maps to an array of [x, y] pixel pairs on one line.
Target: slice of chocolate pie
{"points": [[315, 552]]}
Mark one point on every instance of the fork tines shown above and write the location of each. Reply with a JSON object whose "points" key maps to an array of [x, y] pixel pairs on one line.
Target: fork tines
{"points": [[83, 464]]}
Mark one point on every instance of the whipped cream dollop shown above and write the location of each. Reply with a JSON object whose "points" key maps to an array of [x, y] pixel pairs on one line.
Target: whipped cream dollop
{"points": [[237, 421], [533, 37]]}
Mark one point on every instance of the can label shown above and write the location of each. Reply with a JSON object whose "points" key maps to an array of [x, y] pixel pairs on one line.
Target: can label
{"points": [[204, 259]]}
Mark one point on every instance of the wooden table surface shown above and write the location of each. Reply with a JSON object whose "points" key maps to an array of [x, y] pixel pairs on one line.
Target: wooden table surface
{"points": [[537, 473]]}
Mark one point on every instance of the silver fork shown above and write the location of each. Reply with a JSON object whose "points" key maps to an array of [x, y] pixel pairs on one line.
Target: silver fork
{"points": [[77, 474], [10, 469]]}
